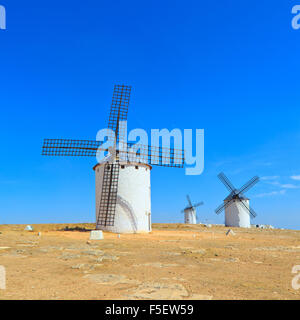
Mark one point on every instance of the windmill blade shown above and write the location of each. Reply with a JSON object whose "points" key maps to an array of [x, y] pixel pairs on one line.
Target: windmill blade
{"points": [[253, 213], [230, 187], [223, 206], [198, 204], [189, 200], [220, 208], [248, 185], [134, 152], [108, 201], [249, 209], [158, 156], [70, 147], [119, 110]]}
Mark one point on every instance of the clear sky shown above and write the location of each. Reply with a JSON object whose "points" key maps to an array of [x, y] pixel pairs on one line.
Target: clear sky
{"points": [[228, 67]]}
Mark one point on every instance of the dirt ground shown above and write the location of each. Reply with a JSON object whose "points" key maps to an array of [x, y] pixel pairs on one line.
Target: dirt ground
{"points": [[175, 261]]}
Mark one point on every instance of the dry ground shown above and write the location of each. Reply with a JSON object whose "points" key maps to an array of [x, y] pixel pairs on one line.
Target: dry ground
{"points": [[175, 261]]}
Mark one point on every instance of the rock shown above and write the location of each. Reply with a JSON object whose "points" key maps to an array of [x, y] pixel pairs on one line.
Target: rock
{"points": [[173, 253], [157, 265], [86, 266], [159, 291], [28, 228], [15, 254], [93, 252], [214, 259], [69, 256], [208, 225], [30, 245], [199, 251], [39, 234], [110, 279], [200, 297], [264, 226], [230, 233], [230, 247], [178, 279], [79, 266], [232, 260], [106, 256], [96, 235]]}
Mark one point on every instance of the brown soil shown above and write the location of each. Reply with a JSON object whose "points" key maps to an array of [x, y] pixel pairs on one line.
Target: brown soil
{"points": [[175, 261]]}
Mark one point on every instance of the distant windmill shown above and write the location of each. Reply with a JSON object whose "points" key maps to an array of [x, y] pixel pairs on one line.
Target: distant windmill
{"points": [[123, 194], [236, 205], [190, 211]]}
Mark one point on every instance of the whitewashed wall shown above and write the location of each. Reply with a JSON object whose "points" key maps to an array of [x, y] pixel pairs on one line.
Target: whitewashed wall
{"points": [[236, 215], [133, 210], [190, 216]]}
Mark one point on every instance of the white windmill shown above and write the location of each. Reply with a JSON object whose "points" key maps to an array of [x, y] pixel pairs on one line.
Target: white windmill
{"points": [[236, 205], [123, 190], [190, 216]]}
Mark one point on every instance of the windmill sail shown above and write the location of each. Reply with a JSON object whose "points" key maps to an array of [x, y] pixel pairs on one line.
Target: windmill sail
{"points": [[226, 182], [107, 207], [119, 110], [118, 113]]}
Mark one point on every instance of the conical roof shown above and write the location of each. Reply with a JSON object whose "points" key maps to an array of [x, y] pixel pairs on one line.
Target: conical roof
{"points": [[241, 197]]}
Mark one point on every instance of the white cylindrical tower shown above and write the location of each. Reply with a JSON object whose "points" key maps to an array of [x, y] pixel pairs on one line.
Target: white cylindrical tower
{"points": [[133, 209], [236, 214], [190, 216]]}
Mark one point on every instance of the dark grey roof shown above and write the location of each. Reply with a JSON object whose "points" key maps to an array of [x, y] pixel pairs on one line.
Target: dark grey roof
{"points": [[241, 197]]}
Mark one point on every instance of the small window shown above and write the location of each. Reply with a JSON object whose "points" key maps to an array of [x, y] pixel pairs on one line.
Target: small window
{"points": [[98, 170], [122, 166], [136, 167]]}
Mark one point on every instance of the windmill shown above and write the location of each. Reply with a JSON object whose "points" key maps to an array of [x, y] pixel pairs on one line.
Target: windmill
{"points": [[123, 194], [190, 211], [236, 205]]}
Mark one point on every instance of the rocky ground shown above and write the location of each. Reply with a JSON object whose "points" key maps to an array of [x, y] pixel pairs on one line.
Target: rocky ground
{"points": [[175, 261]]}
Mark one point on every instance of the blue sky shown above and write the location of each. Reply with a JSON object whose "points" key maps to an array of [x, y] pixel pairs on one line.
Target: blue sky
{"points": [[228, 67]]}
